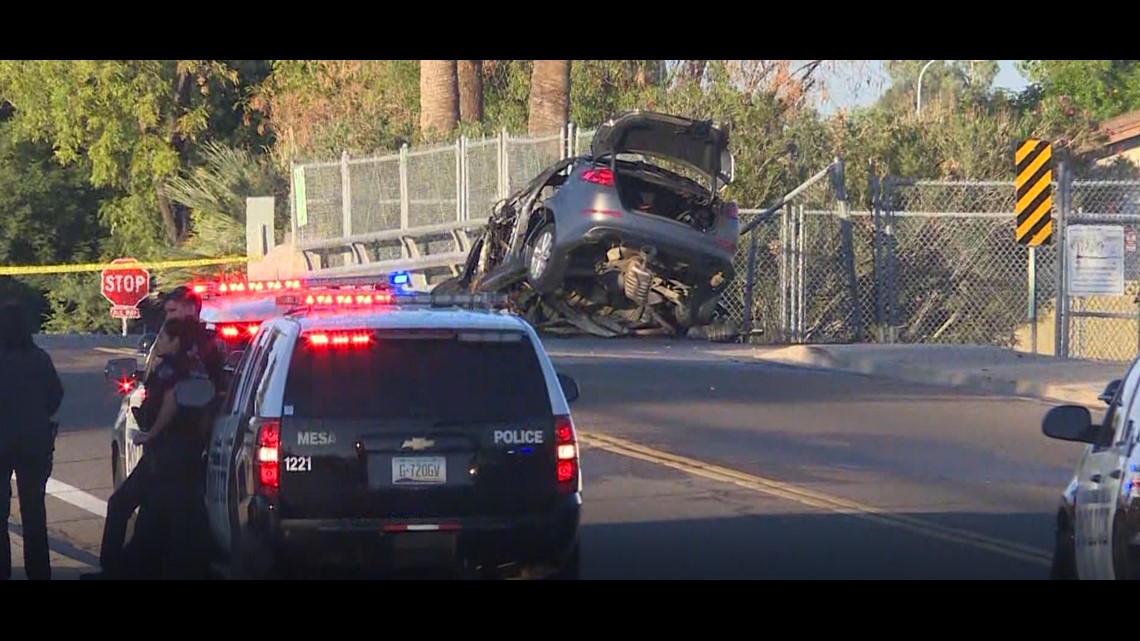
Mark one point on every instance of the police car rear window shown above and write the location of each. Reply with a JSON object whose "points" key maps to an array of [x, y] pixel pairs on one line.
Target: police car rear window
{"points": [[435, 376]]}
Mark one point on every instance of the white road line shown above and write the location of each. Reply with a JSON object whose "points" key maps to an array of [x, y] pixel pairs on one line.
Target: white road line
{"points": [[77, 497], [121, 351]]}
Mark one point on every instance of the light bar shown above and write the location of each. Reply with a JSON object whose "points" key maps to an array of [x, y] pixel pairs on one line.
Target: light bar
{"points": [[316, 300], [238, 286]]}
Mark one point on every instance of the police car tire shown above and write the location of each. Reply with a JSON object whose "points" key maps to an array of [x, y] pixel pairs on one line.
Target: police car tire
{"points": [[571, 569], [116, 468]]}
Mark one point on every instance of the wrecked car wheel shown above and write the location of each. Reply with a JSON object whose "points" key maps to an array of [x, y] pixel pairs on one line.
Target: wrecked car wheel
{"points": [[543, 264]]}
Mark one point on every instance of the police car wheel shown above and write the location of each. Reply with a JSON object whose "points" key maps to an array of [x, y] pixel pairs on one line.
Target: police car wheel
{"points": [[116, 468], [570, 569], [1122, 555], [1064, 561]]}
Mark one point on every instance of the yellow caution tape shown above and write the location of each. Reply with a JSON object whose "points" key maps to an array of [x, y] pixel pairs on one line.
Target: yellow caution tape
{"points": [[26, 270]]}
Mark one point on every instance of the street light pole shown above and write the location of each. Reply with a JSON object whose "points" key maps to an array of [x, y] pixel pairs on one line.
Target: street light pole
{"points": [[918, 104]]}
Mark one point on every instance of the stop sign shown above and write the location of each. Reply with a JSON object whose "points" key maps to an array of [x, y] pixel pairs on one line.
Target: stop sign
{"points": [[125, 285]]}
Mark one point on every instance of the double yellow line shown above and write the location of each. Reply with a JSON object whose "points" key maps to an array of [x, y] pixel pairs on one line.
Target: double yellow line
{"points": [[817, 500], [28, 270]]}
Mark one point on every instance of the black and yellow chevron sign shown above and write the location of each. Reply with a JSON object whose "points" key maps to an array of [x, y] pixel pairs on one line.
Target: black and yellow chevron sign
{"points": [[1034, 184]]}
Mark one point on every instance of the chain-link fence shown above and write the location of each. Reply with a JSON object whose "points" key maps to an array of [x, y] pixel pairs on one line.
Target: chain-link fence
{"points": [[954, 273], [416, 188], [930, 262], [1102, 270]]}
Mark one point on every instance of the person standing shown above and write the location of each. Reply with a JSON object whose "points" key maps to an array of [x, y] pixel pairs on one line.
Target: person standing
{"points": [[32, 395], [114, 557]]}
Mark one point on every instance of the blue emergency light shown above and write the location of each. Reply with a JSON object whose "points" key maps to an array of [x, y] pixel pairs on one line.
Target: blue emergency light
{"points": [[399, 279]]}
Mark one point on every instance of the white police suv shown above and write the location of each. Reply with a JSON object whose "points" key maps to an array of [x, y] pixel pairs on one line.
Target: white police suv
{"points": [[372, 429], [1098, 523]]}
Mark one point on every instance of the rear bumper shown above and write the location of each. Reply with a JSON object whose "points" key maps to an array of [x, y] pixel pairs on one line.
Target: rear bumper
{"points": [[544, 540], [672, 240]]}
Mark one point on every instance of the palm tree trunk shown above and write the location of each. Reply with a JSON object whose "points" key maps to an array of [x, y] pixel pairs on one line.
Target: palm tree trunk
{"points": [[549, 107], [439, 97], [470, 90]]}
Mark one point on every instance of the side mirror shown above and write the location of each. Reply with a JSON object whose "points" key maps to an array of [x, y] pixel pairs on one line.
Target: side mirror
{"points": [[1109, 392], [119, 369], [194, 392], [569, 387], [145, 343], [233, 359], [1069, 423]]}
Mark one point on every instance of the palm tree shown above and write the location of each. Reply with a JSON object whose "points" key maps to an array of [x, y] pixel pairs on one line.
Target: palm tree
{"points": [[470, 90], [439, 97], [549, 106]]}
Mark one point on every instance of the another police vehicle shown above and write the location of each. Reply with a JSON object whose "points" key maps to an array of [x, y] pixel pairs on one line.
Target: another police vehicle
{"points": [[233, 310], [373, 429], [1098, 523]]}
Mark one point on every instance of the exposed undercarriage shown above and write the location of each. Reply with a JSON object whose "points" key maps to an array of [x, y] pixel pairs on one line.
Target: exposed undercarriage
{"points": [[607, 290]]}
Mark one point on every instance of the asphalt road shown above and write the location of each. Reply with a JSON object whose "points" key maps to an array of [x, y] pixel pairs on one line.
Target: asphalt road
{"points": [[699, 466]]}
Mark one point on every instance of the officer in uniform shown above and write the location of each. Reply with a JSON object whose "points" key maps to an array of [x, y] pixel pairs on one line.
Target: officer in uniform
{"points": [[201, 346]]}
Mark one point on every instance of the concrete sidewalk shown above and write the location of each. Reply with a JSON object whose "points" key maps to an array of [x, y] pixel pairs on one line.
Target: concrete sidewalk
{"points": [[982, 368]]}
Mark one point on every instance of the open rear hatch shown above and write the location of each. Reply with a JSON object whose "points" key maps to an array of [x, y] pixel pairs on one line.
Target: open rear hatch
{"points": [[697, 144], [656, 188], [417, 424]]}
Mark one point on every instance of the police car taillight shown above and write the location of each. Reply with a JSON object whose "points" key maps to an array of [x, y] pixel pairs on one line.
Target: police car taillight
{"points": [[268, 455], [566, 440], [339, 339], [235, 331]]}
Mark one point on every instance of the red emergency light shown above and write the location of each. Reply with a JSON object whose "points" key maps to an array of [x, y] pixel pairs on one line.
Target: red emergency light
{"points": [[238, 286], [235, 331]]}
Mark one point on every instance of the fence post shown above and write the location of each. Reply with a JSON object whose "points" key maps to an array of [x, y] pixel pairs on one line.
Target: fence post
{"points": [[293, 201], [405, 204], [876, 234], [345, 195], [1060, 311], [749, 284], [784, 271], [892, 292], [459, 179], [847, 245], [504, 166], [801, 288]]}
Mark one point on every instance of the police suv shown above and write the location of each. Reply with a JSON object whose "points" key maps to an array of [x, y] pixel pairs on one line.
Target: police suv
{"points": [[373, 429], [233, 310], [1098, 523]]}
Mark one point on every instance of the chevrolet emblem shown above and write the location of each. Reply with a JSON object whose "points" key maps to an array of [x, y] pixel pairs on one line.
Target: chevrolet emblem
{"points": [[417, 443]]}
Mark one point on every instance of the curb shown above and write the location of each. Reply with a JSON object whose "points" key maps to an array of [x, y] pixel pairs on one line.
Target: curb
{"points": [[813, 356]]}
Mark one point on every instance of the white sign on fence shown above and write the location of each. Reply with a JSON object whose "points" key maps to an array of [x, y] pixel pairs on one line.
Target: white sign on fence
{"points": [[1096, 260]]}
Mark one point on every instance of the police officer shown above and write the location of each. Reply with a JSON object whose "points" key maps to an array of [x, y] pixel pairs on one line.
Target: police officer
{"points": [[32, 393], [180, 303], [171, 439]]}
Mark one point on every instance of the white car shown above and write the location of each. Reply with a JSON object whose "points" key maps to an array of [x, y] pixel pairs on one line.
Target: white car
{"points": [[1098, 532], [369, 430], [234, 317]]}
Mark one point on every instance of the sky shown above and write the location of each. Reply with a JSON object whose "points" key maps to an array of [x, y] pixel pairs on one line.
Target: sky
{"points": [[842, 93]]}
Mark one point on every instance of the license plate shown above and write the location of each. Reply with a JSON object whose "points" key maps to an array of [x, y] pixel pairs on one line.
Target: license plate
{"points": [[419, 470]]}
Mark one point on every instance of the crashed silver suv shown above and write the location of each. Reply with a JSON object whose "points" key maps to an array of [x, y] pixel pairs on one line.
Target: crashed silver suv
{"points": [[621, 236]]}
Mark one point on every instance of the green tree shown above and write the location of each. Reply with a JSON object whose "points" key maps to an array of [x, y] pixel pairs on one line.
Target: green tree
{"points": [[135, 121], [945, 81], [1096, 89]]}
